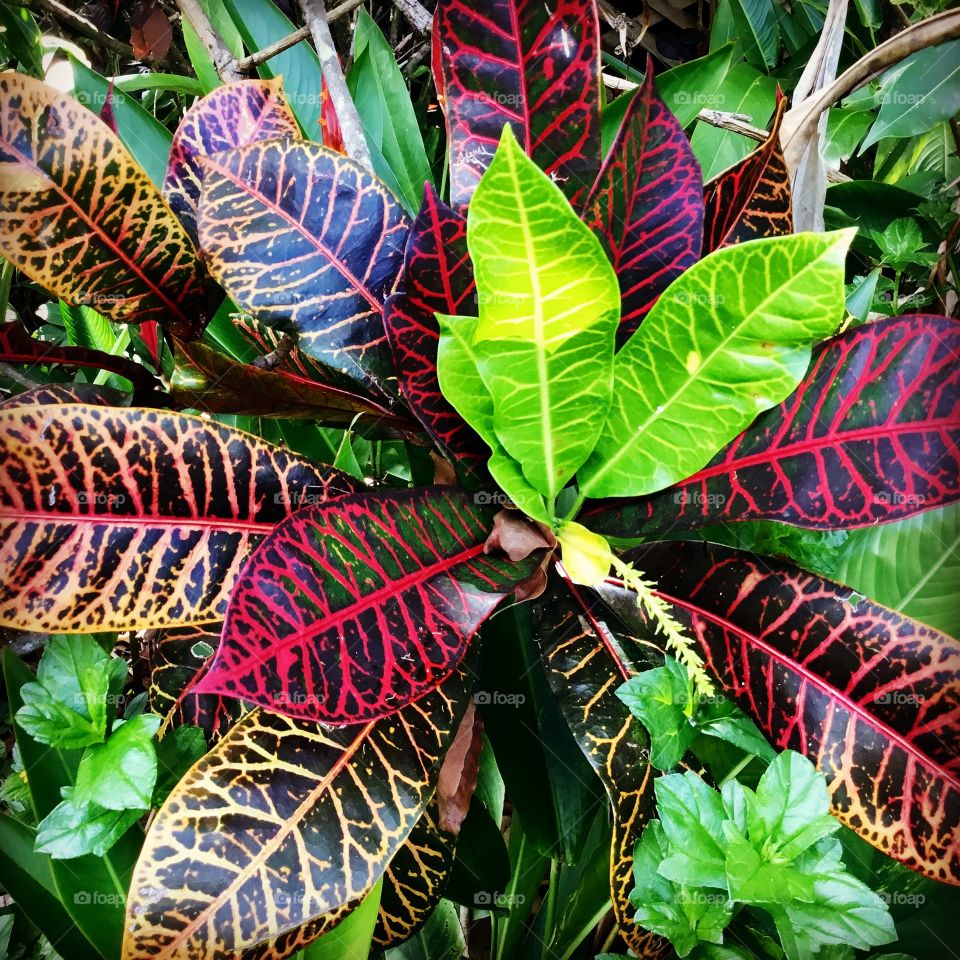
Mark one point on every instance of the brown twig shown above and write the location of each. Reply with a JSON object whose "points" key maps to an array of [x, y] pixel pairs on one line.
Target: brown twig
{"points": [[246, 64], [220, 54], [350, 125]]}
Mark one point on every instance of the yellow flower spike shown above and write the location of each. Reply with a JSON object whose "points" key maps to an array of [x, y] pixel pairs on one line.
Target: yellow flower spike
{"points": [[587, 558]]}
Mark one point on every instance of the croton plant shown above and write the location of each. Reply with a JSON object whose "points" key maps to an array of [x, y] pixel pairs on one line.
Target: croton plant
{"points": [[598, 352]]}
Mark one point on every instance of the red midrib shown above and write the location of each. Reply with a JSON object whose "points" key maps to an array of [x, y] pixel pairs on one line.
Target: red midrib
{"points": [[817, 682], [830, 440], [365, 602]]}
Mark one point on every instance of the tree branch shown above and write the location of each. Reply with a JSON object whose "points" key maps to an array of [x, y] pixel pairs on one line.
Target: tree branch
{"points": [[353, 137], [219, 52], [245, 64], [419, 17]]}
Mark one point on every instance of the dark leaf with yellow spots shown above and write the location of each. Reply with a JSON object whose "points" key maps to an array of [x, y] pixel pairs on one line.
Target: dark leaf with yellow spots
{"points": [[586, 662], [178, 658]]}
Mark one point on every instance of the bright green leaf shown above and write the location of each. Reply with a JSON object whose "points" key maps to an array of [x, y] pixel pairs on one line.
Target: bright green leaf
{"points": [[120, 774], [462, 386], [728, 339], [549, 306], [841, 909], [660, 699], [692, 816], [67, 705], [72, 830], [687, 916]]}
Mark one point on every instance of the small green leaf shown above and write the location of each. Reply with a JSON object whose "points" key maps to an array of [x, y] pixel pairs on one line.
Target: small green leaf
{"points": [[549, 306], [686, 916], [120, 774], [67, 705], [72, 830], [841, 909], [728, 339], [790, 808], [692, 815], [661, 700]]}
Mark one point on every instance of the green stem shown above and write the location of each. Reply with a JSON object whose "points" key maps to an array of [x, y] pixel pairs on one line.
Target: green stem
{"points": [[738, 769], [550, 909], [6, 281]]}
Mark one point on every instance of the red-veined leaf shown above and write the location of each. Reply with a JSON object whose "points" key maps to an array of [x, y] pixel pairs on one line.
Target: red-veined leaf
{"points": [[283, 827], [119, 519], [205, 379], [534, 64], [437, 278], [752, 199], [17, 346], [586, 663], [647, 204], [347, 612], [320, 249], [872, 434], [81, 218], [232, 116], [872, 697], [178, 658]]}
